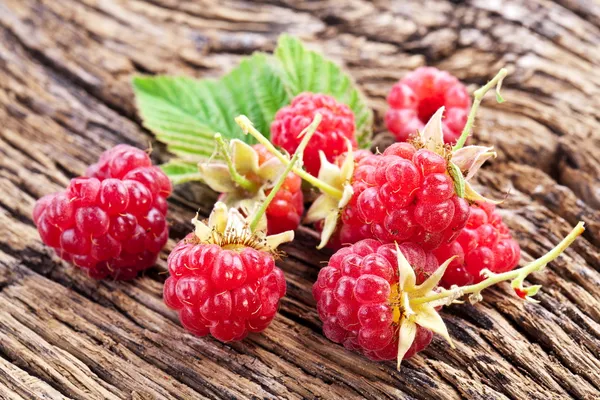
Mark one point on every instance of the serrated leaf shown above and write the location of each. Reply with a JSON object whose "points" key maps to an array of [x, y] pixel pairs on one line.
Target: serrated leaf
{"points": [[309, 71], [459, 180], [181, 172], [185, 113]]}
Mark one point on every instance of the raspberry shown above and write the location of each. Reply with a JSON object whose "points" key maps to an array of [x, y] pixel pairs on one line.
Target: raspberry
{"points": [[403, 195], [356, 297], [485, 242], [286, 209], [416, 97], [222, 291], [111, 222], [331, 136]]}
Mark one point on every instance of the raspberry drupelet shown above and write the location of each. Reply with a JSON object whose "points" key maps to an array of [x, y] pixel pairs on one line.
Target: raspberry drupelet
{"points": [[382, 300], [223, 279], [415, 98], [484, 244], [245, 177], [337, 127], [112, 221]]}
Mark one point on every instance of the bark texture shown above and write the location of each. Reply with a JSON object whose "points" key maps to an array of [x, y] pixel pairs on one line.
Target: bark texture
{"points": [[65, 68]]}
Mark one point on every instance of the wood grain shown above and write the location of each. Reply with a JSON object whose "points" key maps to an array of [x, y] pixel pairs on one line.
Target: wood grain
{"points": [[65, 68]]}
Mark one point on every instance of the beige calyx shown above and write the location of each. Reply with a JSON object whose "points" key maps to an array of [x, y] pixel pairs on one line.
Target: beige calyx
{"points": [[327, 207], [228, 228]]}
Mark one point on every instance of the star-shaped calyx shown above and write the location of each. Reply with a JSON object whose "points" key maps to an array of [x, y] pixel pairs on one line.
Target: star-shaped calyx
{"points": [[463, 163], [229, 229], [414, 305], [407, 313], [240, 176]]}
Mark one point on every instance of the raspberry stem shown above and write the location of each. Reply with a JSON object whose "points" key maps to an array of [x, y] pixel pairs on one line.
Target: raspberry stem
{"points": [[237, 178], [306, 135], [517, 276], [248, 128], [477, 97]]}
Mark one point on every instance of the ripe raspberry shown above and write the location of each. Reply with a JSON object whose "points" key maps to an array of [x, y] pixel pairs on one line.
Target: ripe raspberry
{"points": [[224, 292], [403, 195], [256, 169], [331, 136], [112, 222], [286, 209], [416, 97], [485, 242], [356, 296]]}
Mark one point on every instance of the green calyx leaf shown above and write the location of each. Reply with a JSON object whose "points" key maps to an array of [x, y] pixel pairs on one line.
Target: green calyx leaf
{"points": [[181, 171], [458, 178], [185, 113]]}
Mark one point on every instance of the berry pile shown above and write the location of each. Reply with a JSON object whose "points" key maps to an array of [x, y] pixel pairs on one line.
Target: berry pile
{"points": [[331, 137], [111, 222], [416, 97], [356, 297], [484, 243], [410, 219]]}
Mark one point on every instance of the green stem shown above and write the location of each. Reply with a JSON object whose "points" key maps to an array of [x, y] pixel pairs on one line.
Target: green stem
{"points": [[519, 274], [308, 133], [247, 126], [237, 178], [477, 97]]}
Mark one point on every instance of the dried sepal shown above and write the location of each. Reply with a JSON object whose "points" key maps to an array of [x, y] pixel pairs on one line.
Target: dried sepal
{"points": [[427, 317], [217, 176], [410, 313], [463, 163], [406, 337], [474, 196], [244, 159], [469, 159], [432, 135], [327, 207]]}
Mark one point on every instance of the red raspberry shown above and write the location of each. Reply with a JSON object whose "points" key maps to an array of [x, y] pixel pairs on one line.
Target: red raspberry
{"points": [[286, 209], [416, 97], [112, 222], [334, 130], [224, 283], [403, 195], [355, 297], [485, 242]]}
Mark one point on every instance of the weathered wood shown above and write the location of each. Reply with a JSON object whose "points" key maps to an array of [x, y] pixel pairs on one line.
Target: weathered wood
{"points": [[65, 96]]}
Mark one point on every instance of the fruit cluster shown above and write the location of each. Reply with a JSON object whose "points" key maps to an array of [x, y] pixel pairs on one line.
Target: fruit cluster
{"points": [[110, 222], [410, 232]]}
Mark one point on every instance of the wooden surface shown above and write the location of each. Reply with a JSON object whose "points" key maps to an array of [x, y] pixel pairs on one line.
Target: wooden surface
{"points": [[65, 68]]}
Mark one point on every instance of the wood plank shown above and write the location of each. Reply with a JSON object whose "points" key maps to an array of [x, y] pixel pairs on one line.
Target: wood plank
{"points": [[65, 69]]}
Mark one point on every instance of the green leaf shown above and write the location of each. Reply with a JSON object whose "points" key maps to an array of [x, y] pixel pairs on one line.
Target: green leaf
{"points": [[308, 71], [180, 171], [459, 180], [185, 113]]}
